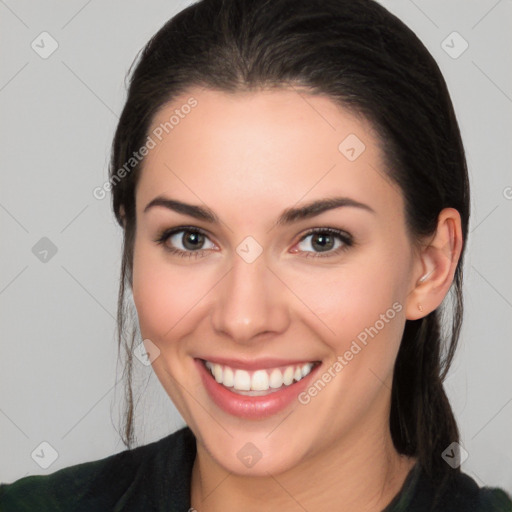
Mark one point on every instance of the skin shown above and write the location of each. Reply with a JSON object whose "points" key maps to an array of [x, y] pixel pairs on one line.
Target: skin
{"points": [[248, 157]]}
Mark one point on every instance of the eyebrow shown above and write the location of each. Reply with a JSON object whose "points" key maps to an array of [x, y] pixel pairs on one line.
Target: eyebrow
{"points": [[288, 216]]}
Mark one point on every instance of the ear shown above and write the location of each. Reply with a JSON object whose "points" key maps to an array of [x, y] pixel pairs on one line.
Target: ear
{"points": [[435, 268], [122, 214]]}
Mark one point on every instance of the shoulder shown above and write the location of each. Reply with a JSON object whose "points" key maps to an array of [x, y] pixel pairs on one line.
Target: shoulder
{"points": [[116, 482], [462, 494], [465, 490]]}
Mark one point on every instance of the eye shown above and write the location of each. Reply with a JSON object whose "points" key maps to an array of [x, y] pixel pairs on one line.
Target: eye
{"points": [[188, 242], [185, 241], [325, 240]]}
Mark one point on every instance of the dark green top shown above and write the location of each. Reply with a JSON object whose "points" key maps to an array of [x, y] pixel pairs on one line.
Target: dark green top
{"points": [[156, 477]]}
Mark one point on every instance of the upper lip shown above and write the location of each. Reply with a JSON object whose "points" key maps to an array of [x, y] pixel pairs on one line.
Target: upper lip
{"points": [[256, 364]]}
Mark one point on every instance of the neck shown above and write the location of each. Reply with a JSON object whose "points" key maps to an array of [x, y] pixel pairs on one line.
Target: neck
{"points": [[358, 472]]}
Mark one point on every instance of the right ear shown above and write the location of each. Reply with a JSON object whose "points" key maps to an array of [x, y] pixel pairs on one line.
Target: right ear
{"points": [[122, 214]]}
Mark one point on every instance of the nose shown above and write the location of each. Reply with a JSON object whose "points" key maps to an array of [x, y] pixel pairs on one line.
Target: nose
{"points": [[250, 302]]}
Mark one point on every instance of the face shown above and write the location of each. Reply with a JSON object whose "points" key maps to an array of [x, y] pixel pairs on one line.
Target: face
{"points": [[276, 325]]}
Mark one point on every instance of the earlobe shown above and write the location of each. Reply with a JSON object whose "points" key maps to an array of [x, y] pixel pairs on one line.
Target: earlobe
{"points": [[438, 260]]}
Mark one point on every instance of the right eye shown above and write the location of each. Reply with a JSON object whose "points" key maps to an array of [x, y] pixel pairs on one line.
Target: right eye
{"points": [[185, 241]]}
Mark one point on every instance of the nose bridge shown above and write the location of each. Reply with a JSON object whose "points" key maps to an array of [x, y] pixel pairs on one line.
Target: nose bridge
{"points": [[250, 300]]}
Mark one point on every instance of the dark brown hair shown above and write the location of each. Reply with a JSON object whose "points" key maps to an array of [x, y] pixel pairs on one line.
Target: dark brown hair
{"points": [[366, 60]]}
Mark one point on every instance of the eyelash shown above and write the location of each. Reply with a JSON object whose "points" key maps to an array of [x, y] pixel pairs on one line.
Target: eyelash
{"points": [[343, 236]]}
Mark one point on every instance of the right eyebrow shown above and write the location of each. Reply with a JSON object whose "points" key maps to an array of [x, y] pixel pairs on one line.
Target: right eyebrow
{"points": [[198, 212]]}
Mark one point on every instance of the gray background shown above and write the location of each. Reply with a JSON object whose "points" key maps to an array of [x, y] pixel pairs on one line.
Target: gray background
{"points": [[58, 350]]}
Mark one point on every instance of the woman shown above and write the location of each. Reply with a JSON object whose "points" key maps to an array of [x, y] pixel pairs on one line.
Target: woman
{"points": [[293, 192]]}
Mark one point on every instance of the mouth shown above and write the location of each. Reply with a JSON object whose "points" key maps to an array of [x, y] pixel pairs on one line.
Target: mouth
{"points": [[256, 393], [259, 382]]}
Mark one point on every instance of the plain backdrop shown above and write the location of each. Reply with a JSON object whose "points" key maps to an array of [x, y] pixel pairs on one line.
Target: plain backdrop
{"points": [[57, 308]]}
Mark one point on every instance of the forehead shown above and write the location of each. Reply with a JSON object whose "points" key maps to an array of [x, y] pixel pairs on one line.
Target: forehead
{"points": [[269, 148]]}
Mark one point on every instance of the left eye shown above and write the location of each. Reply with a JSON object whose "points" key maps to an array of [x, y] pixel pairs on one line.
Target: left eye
{"points": [[324, 240]]}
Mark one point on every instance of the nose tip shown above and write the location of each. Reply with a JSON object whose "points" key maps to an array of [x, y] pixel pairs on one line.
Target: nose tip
{"points": [[250, 302]]}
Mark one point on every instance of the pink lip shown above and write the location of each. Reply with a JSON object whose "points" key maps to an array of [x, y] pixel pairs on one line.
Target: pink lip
{"points": [[251, 407]]}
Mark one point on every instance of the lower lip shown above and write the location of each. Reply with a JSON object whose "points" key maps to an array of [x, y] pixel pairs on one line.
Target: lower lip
{"points": [[252, 407]]}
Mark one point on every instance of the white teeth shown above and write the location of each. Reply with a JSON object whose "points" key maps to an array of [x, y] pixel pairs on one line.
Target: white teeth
{"points": [[288, 375], [276, 378], [259, 380], [242, 380], [306, 369], [217, 373], [229, 378]]}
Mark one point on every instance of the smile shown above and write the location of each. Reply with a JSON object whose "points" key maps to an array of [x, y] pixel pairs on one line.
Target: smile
{"points": [[259, 382], [257, 391]]}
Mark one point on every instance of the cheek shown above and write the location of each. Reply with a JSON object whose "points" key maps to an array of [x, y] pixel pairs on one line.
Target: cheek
{"points": [[165, 296], [360, 302]]}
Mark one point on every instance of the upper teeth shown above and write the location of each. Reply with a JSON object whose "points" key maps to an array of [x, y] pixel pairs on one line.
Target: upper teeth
{"points": [[259, 380]]}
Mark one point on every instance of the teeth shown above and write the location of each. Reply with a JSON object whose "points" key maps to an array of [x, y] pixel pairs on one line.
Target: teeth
{"points": [[288, 375], [217, 373], [242, 380], [276, 379], [260, 380], [229, 377]]}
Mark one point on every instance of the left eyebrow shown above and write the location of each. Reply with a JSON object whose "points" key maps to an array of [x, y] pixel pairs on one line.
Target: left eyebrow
{"points": [[317, 207], [288, 216]]}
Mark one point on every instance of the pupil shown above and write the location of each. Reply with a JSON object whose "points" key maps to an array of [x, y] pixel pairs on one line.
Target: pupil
{"points": [[324, 241], [195, 238]]}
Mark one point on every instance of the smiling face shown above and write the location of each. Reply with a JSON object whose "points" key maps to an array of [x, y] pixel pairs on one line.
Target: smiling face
{"points": [[265, 302]]}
